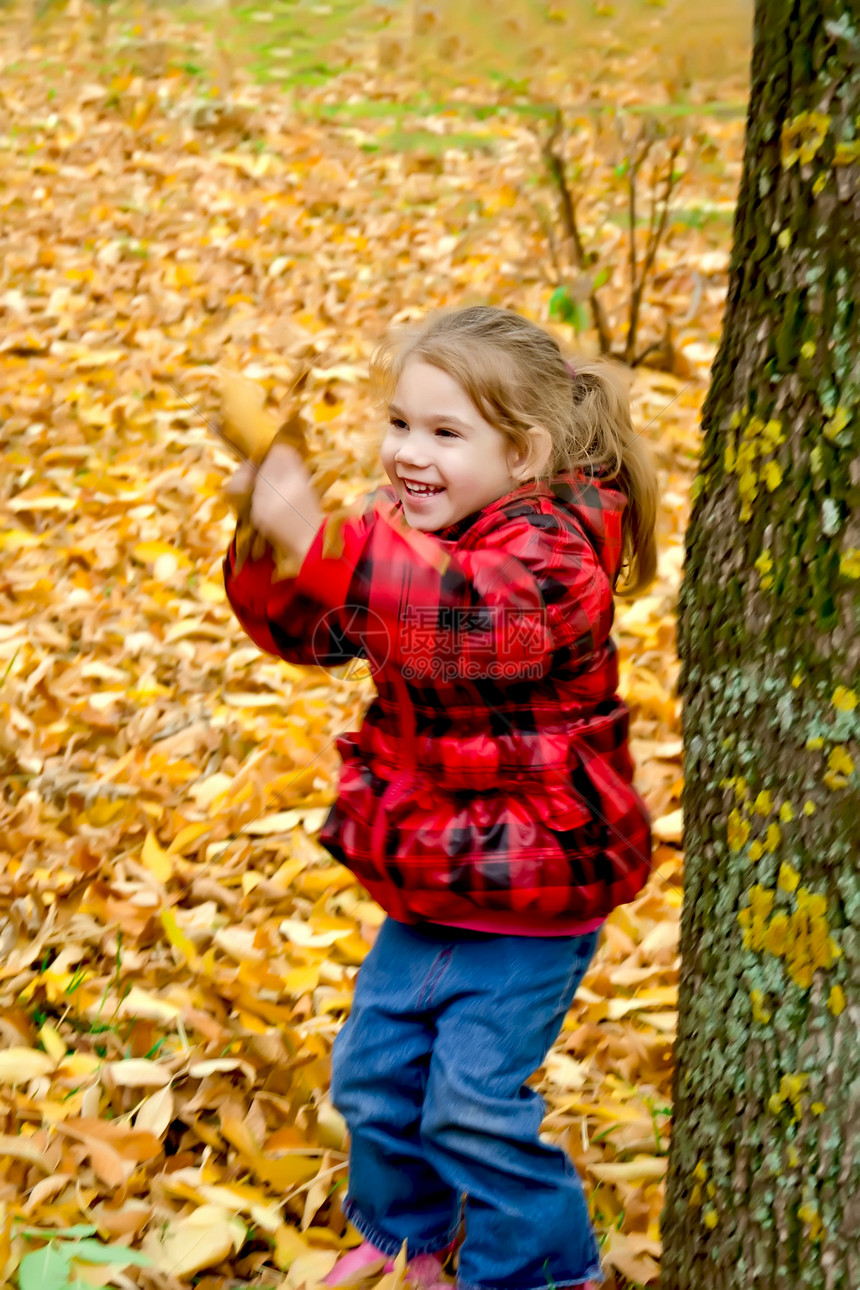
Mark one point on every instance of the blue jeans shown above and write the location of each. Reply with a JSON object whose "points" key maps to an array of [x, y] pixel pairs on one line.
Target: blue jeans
{"points": [[429, 1074]]}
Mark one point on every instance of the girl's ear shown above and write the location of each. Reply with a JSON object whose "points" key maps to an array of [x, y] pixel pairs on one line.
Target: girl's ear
{"points": [[531, 462]]}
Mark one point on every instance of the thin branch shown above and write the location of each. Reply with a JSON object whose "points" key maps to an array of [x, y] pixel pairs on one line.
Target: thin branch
{"points": [[549, 233], [649, 350], [554, 161], [555, 165], [636, 286], [655, 237]]}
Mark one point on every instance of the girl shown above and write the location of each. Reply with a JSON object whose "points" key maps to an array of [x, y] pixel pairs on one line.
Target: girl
{"points": [[487, 801]]}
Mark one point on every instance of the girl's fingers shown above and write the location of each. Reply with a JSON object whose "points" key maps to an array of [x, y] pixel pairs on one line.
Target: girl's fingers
{"points": [[283, 457], [241, 482]]}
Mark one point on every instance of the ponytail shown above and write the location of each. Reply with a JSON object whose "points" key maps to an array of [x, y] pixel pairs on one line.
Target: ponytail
{"points": [[603, 439]]}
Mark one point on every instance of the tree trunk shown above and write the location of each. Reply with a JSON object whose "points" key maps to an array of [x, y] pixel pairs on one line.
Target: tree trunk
{"points": [[764, 1176]]}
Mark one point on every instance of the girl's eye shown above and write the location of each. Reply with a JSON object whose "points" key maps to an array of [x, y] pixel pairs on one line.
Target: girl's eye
{"points": [[399, 424]]}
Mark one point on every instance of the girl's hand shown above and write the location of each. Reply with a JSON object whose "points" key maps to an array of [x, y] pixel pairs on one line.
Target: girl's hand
{"points": [[284, 506]]}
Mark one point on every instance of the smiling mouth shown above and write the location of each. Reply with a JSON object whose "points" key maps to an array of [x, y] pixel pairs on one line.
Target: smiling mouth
{"points": [[421, 490]]}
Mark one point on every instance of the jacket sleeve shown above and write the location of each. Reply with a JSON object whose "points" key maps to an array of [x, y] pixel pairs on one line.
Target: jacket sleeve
{"points": [[283, 620], [503, 610]]}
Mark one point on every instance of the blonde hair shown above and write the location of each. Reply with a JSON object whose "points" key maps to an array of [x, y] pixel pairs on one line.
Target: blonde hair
{"points": [[516, 375]]}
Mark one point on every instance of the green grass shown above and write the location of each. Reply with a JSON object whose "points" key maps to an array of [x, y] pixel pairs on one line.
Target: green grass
{"points": [[435, 144], [305, 46], [299, 44], [723, 111], [700, 216]]}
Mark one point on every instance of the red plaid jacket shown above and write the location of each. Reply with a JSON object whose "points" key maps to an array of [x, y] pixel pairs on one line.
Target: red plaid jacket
{"points": [[490, 784]]}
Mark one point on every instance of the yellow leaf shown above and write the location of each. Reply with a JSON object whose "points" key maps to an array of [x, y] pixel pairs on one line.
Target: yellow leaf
{"points": [[137, 1072], [247, 427], [641, 1169], [279, 822], [14, 539], [287, 1172], [80, 1065], [205, 1237], [253, 699], [670, 828], [289, 871], [17, 1147], [19, 1065], [155, 1113], [326, 411], [53, 1045], [302, 934], [210, 789], [310, 1268], [211, 592], [301, 980], [238, 942], [289, 1246], [217, 1065], [242, 1198], [565, 1072], [157, 861], [193, 627], [282, 1172], [140, 1003], [149, 552], [177, 937], [47, 502], [186, 837], [659, 997]]}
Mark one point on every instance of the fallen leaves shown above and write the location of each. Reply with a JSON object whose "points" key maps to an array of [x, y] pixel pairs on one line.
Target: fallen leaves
{"points": [[205, 1237], [177, 952]]}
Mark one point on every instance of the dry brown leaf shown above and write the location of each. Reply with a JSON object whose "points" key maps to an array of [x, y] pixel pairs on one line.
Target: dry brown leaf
{"points": [[632, 1256]]}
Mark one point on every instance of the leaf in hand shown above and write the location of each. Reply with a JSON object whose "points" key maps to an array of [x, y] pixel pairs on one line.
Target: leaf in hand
{"points": [[247, 426], [292, 433]]}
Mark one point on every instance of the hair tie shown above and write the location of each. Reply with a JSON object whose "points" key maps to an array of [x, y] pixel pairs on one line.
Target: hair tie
{"points": [[572, 370]]}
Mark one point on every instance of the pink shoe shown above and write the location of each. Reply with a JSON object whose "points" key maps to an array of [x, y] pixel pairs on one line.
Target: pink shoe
{"points": [[424, 1272], [350, 1267]]}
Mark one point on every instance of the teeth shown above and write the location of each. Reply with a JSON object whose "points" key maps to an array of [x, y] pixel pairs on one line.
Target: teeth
{"points": [[422, 488]]}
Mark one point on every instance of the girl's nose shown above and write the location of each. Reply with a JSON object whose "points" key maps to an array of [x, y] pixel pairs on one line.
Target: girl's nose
{"points": [[412, 456]]}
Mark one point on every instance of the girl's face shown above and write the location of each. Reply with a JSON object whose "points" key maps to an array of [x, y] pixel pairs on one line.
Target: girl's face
{"points": [[438, 438]]}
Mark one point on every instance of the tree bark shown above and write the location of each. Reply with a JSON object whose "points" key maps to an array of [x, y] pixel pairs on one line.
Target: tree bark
{"points": [[764, 1175]]}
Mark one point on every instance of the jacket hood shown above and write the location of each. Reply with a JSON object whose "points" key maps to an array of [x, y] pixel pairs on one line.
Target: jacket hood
{"points": [[598, 507]]}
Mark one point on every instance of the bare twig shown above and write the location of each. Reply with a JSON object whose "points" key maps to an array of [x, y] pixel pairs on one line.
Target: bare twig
{"points": [[641, 148], [549, 233], [656, 230], [555, 164], [636, 149], [653, 348], [554, 161]]}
